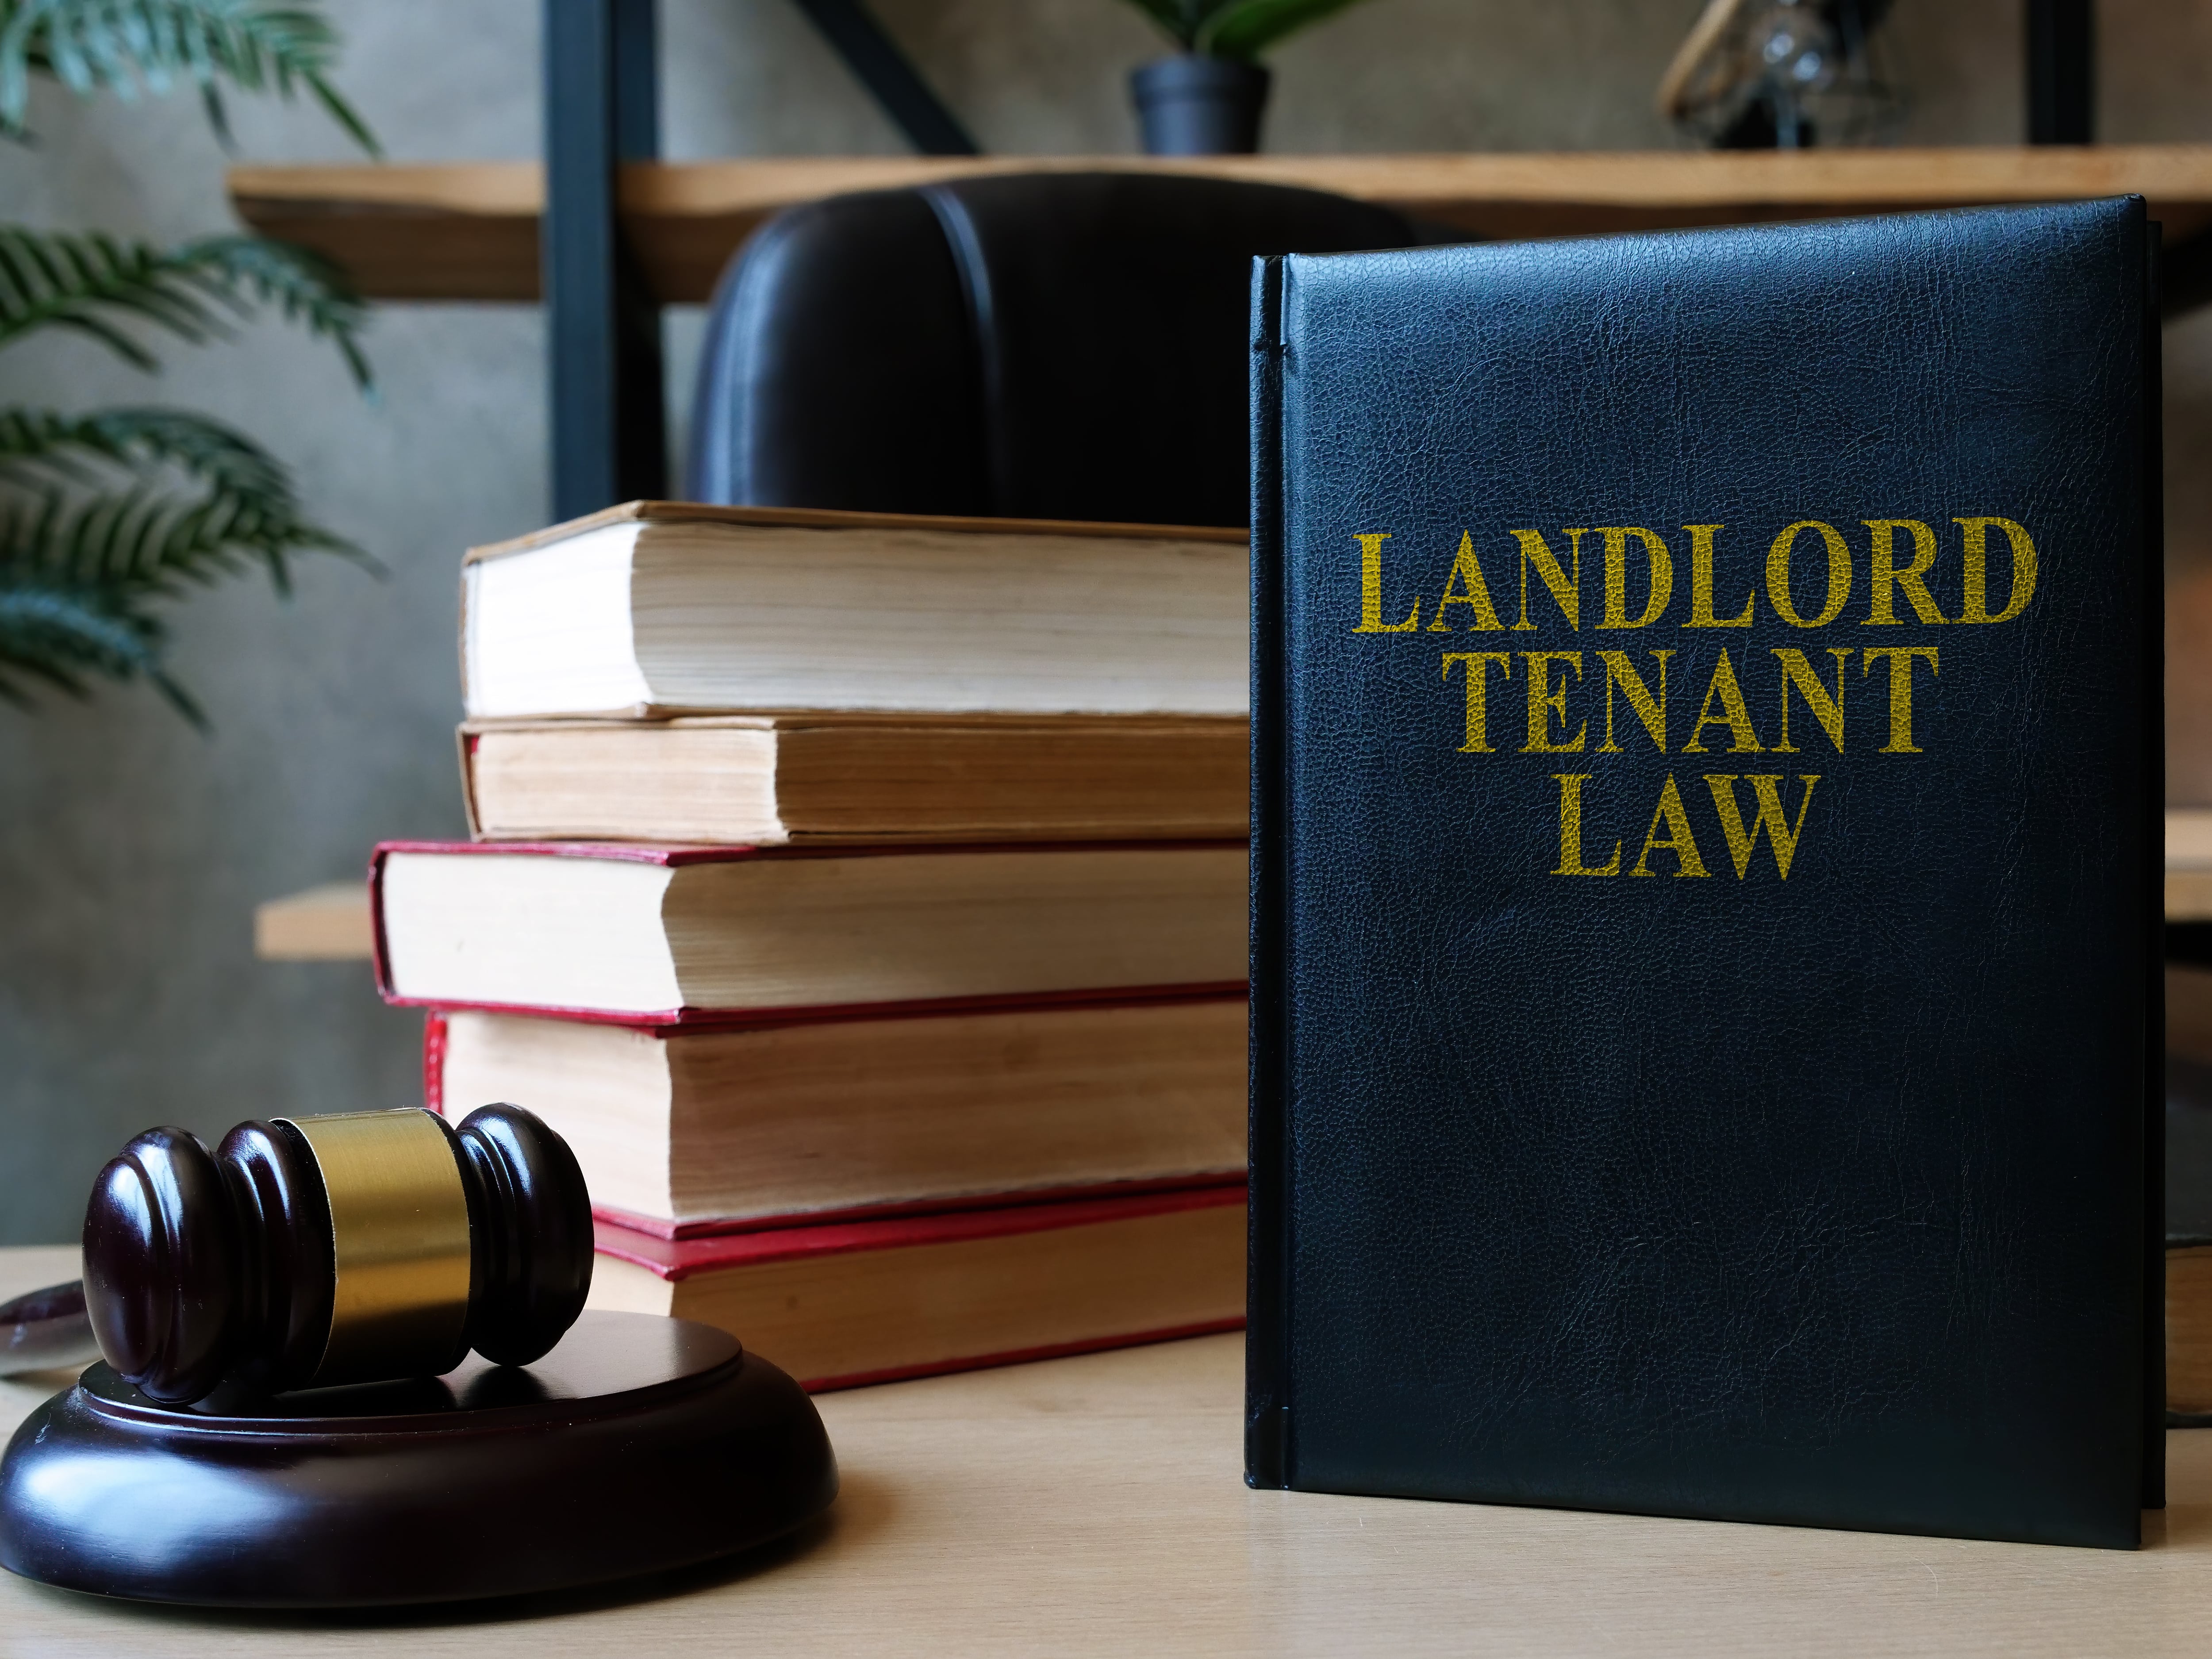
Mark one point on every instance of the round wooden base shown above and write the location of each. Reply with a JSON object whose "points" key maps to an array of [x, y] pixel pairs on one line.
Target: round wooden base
{"points": [[637, 1444]]}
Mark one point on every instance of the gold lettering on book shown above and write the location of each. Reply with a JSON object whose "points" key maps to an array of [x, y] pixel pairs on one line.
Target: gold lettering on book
{"points": [[1914, 570], [1570, 830], [1901, 657], [1657, 563], [1977, 558], [1472, 591], [1732, 714], [1828, 710], [1679, 842], [1477, 703], [1884, 575], [1566, 588], [1544, 702], [1701, 582], [1371, 591], [1652, 711], [1777, 575], [1781, 834]]}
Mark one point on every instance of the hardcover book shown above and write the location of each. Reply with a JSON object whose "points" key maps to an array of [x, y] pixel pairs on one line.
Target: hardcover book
{"points": [[681, 934], [868, 1301], [687, 1130], [659, 607], [767, 780], [1705, 958]]}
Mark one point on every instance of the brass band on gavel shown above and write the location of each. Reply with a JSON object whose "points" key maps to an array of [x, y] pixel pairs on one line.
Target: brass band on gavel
{"points": [[305, 1252]]}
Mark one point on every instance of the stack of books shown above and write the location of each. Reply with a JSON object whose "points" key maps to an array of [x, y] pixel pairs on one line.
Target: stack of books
{"points": [[864, 900]]}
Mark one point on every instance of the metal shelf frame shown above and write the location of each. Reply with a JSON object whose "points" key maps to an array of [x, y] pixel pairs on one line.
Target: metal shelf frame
{"points": [[602, 76]]}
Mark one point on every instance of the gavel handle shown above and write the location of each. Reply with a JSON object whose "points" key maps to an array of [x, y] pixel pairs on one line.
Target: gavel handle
{"points": [[45, 1331]]}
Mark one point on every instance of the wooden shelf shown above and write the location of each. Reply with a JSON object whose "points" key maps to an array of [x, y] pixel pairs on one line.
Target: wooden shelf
{"points": [[469, 230], [324, 924]]}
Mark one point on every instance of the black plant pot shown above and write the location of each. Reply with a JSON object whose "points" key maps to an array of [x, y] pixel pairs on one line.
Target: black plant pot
{"points": [[1193, 105]]}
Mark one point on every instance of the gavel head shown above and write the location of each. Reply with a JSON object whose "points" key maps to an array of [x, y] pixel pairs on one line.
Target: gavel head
{"points": [[306, 1252]]}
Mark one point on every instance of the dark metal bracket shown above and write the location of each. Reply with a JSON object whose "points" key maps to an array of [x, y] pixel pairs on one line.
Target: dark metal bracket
{"points": [[2062, 71], [2184, 277], [602, 73], [878, 64], [602, 108], [602, 326]]}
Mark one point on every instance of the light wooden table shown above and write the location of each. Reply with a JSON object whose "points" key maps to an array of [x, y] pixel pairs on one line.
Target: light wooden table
{"points": [[1096, 1505]]}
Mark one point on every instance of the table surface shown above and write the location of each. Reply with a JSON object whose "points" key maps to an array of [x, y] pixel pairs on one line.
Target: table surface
{"points": [[1096, 1505]]}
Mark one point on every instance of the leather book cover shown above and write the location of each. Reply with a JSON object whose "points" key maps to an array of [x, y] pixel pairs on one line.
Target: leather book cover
{"points": [[1707, 770]]}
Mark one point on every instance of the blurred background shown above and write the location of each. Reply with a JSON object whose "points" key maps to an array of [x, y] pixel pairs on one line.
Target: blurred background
{"points": [[133, 848]]}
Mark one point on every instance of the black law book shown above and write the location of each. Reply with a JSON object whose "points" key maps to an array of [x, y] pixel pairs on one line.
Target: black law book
{"points": [[1706, 860]]}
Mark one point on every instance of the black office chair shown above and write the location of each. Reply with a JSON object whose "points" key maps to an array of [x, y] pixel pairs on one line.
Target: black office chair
{"points": [[1039, 345]]}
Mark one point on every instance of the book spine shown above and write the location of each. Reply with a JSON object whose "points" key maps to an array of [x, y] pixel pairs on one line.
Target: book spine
{"points": [[1266, 1370], [662, 1227], [820, 1013], [680, 1258], [433, 1062], [466, 743], [681, 1022], [2151, 696], [380, 956]]}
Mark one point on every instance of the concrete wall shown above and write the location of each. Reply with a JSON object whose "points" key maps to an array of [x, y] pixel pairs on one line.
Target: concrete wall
{"points": [[132, 849]]}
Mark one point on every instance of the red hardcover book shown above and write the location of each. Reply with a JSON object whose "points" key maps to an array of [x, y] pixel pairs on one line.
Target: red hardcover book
{"points": [[686, 1130], [869, 1301], [677, 935]]}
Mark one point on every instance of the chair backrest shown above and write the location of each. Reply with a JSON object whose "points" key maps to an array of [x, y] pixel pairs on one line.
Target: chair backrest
{"points": [[1036, 345]]}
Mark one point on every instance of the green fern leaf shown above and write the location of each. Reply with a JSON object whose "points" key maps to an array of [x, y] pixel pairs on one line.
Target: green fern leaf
{"points": [[127, 47], [59, 635], [41, 449], [89, 284], [299, 283], [106, 519], [77, 282]]}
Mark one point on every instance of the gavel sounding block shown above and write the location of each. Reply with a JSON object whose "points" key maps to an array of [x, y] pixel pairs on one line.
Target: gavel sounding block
{"points": [[637, 1444]]}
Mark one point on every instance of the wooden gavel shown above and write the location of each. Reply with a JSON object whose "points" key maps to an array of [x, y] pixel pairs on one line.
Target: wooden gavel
{"points": [[306, 1252]]}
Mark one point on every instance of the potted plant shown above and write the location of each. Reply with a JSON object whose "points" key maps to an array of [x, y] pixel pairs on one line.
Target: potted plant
{"points": [[108, 516], [1207, 99]]}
